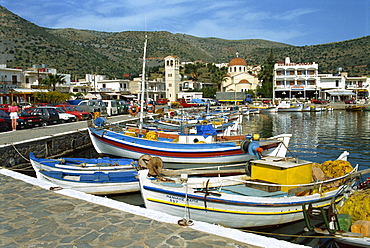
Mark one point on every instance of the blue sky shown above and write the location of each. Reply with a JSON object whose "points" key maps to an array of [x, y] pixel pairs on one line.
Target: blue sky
{"points": [[295, 22]]}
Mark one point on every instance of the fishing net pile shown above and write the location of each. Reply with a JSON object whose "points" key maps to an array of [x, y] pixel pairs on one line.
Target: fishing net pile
{"points": [[130, 132], [327, 170], [357, 206], [151, 135]]}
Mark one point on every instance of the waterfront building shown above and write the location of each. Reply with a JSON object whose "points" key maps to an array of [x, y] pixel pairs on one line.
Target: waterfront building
{"points": [[19, 85], [302, 81], [296, 80]]}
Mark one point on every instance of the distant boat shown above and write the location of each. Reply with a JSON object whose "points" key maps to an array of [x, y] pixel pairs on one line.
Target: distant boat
{"points": [[354, 108], [288, 107]]}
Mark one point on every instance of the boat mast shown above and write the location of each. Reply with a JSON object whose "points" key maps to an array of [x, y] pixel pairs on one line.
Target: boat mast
{"points": [[143, 87]]}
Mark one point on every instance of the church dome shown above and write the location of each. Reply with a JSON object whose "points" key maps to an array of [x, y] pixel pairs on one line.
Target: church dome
{"points": [[237, 61], [244, 81]]}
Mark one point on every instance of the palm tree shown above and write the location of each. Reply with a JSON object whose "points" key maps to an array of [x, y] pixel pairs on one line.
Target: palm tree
{"points": [[192, 69], [53, 80], [218, 77]]}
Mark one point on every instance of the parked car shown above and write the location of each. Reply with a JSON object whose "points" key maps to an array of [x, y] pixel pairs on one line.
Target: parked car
{"points": [[65, 117], [198, 102], [4, 107], [162, 101], [124, 106], [3, 125], [112, 108], [319, 101], [93, 106], [211, 101], [185, 104], [349, 101], [73, 110], [48, 115], [25, 120]]}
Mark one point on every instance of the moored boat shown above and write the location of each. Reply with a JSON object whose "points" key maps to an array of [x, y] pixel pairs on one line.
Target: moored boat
{"points": [[241, 201], [200, 148], [96, 182], [81, 165]]}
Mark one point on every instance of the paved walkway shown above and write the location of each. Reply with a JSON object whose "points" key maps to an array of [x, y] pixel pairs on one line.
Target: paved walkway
{"points": [[32, 215], [38, 132]]}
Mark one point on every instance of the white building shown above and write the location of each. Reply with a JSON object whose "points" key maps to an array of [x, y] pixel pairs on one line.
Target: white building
{"points": [[296, 80], [238, 78], [303, 81]]}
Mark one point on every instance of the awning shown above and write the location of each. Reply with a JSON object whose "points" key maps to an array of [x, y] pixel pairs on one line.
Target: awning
{"points": [[29, 91], [340, 93], [129, 96], [111, 93]]}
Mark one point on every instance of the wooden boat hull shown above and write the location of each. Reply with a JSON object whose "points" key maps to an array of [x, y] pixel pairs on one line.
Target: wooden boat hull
{"points": [[232, 210], [119, 144], [97, 183], [81, 165]]}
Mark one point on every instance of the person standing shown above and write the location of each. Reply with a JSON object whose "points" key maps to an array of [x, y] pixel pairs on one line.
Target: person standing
{"points": [[13, 110]]}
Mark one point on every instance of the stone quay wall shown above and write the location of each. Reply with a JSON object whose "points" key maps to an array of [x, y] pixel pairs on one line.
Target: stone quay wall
{"points": [[16, 155]]}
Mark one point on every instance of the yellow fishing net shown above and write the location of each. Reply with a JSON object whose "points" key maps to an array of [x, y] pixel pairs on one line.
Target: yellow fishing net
{"points": [[357, 205], [130, 132], [151, 135]]}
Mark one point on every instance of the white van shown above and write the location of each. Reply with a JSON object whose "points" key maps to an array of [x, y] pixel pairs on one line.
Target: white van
{"points": [[112, 108]]}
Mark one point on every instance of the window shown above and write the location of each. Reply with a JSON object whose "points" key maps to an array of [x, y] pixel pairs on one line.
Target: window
{"points": [[169, 75], [336, 83]]}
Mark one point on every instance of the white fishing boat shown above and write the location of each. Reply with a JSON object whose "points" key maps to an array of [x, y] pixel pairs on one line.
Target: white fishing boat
{"points": [[96, 182], [240, 201], [200, 148]]}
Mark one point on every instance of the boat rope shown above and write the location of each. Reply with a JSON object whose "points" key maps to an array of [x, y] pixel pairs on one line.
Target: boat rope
{"points": [[288, 235], [186, 221], [23, 169], [15, 148]]}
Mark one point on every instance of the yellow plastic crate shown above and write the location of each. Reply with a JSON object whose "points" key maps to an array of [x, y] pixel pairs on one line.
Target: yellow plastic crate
{"points": [[284, 171]]}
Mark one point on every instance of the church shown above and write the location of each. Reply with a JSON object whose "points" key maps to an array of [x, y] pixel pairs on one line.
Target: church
{"points": [[239, 78]]}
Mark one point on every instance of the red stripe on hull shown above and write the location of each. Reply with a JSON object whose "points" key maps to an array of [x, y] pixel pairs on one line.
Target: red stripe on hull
{"points": [[170, 154]]}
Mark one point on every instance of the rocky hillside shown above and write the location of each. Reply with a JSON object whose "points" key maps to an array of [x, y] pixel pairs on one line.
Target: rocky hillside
{"points": [[78, 52]]}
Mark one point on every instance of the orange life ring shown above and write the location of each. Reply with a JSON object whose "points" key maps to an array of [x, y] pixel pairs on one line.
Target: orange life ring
{"points": [[134, 110], [151, 108]]}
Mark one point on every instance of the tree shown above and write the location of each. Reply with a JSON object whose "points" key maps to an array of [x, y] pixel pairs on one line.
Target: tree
{"points": [[51, 97], [218, 77], [193, 70], [266, 76], [53, 80]]}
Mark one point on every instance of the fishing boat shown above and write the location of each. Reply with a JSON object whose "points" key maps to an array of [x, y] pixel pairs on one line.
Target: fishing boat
{"points": [[200, 148], [95, 182], [349, 222], [273, 194], [354, 108], [288, 107], [81, 165]]}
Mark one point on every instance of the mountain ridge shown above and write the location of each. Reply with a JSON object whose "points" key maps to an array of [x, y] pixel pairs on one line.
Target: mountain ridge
{"points": [[79, 52]]}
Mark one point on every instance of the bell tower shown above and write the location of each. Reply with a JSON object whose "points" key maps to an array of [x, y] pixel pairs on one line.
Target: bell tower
{"points": [[172, 77]]}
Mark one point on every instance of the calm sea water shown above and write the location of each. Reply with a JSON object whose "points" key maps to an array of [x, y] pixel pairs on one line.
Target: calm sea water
{"points": [[319, 136]]}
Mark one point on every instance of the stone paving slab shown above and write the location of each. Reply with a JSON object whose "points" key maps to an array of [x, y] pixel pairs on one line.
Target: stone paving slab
{"points": [[33, 216]]}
